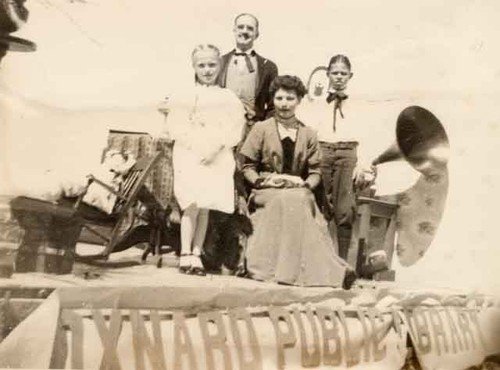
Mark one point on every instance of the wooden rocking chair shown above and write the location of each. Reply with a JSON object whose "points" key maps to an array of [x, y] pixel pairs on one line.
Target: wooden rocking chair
{"points": [[125, 211]]}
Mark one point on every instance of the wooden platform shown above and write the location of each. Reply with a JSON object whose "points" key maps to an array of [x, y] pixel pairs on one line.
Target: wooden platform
{"points": [[145, 289]]}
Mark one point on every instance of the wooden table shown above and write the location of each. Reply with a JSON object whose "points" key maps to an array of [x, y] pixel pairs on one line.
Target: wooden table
{"points": [[374, 229]]}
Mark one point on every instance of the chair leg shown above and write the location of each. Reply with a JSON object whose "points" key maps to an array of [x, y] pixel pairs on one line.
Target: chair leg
{"points": [[159, 261], [146, 253], [241, 269], [158, 248], [151, 244]]}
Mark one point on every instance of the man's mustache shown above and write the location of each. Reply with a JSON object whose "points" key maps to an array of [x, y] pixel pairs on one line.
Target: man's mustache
{"points": [[245, 35]]}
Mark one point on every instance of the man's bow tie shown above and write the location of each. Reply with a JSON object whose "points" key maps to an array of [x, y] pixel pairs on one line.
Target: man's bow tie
{"points": [[336, 95], [248, 62], [241, 54]]}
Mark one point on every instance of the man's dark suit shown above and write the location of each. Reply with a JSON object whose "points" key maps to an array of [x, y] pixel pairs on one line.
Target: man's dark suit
{"points": [[266, 72]]}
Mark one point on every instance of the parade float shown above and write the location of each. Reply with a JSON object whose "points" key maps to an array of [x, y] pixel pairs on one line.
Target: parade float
{"points": [[58, 311]]}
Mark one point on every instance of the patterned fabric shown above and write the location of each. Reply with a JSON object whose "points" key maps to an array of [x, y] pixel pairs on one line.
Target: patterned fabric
{"points": [[141, 144]]}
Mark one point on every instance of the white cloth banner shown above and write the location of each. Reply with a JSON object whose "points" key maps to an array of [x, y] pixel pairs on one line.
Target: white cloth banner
{"points": [[174, 328]]}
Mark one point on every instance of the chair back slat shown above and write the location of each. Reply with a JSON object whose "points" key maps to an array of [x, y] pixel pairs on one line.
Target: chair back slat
{"points": [[133, 182], [130, 182], [134, 174], [143, 163]]}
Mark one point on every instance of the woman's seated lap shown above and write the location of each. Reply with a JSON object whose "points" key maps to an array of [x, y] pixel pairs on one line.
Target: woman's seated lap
{"points": [[288, 196]]}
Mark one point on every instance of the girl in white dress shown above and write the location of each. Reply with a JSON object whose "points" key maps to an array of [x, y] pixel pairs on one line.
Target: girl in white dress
{"points": [[206, 122]]}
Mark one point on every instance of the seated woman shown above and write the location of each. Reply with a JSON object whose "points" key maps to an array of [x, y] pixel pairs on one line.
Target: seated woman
{"points": [[206, 123], [291, 243]]}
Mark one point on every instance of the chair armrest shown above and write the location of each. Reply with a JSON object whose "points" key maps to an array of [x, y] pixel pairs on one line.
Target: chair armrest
{"points": [[90, 180], [106, 186]]}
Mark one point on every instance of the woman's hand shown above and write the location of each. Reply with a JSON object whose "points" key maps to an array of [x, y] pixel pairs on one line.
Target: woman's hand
{"points": [[282, 181], [307, 186]]}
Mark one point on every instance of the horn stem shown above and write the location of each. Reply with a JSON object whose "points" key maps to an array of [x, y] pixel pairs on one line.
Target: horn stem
{"points": [[390, 154]]}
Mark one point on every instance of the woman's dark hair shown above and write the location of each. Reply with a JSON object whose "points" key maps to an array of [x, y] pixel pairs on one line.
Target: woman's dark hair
{"points": [[339, 58], [288, 83]]}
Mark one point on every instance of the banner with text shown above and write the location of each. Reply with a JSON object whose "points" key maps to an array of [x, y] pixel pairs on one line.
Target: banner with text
{"points": [[167, 333]]}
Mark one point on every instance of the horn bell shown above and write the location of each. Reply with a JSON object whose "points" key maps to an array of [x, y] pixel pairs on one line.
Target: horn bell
{"points": [[420, 139]]}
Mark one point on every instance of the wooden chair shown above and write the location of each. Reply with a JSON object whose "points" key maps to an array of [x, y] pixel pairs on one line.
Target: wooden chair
{"points": [[125, 210]]}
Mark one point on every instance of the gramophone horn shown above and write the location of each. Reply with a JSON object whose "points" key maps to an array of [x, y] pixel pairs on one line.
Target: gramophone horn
{"points": [[392, 153], [422, 141]]}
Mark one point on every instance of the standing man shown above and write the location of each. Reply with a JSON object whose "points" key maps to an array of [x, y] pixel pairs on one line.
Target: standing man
{"points": [[249, 76], [247, 73]]}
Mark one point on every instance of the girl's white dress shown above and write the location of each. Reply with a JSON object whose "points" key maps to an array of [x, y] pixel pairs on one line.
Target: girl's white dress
{"points": [[203, 121]]}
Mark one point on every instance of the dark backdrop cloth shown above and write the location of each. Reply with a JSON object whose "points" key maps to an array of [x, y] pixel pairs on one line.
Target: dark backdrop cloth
{"points": [[222, 242]]}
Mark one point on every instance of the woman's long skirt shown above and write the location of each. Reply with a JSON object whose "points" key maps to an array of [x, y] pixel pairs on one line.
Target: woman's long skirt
{"points": [[291, 243]]}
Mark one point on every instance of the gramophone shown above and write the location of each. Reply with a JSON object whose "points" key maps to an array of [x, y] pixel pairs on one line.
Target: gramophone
{"points": [[421, 140]]}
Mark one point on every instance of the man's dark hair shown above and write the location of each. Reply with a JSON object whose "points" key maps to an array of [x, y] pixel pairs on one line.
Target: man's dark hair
{"points": [[288, 83], [339, 58]]}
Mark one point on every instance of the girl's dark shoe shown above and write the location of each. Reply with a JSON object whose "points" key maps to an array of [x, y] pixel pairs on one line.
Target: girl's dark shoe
{"points": [[198, 271], [185, 263]]}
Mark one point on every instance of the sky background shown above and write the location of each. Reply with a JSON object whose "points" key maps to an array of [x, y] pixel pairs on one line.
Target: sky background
{"points": [[133, 52], [107, 64]]}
